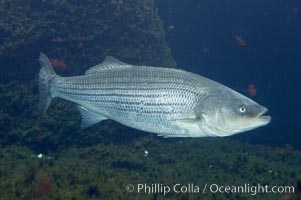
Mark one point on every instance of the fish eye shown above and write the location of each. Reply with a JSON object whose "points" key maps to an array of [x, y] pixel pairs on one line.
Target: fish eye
{"points": [[242, 109]]}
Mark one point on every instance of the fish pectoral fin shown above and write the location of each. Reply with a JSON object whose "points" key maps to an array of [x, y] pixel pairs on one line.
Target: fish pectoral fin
{"points": [[190, 120], [108, 64], [187, 125], [89, 118]]}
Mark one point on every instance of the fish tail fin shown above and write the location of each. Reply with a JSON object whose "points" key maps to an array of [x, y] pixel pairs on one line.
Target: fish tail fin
{"points": [[45, 76]]}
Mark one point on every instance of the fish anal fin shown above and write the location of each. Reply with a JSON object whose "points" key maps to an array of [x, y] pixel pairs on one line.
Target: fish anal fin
{"points": [[89, 118], [108, 64]]}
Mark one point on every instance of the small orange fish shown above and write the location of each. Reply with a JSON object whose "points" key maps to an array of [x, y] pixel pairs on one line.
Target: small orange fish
{"points": [[240, 40], [252, 90], [58, 64]]}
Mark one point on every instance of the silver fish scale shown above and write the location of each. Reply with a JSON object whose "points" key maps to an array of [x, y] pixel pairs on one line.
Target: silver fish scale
{"points": [[146, 98]]}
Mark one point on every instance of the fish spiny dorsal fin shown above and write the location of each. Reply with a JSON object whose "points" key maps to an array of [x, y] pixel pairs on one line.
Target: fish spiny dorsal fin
{"points": [[108, 64]]}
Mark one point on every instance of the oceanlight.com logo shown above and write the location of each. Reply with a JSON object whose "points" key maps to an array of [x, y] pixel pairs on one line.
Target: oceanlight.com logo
{"points": [[158, 188]]}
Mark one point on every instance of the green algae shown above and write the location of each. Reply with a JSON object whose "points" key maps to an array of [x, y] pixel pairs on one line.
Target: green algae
{"points": [[81, 33], [99, 172]]}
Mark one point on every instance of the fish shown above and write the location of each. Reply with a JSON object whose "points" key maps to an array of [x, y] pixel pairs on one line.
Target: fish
{"points": [[240, 41], [252, 90], [166, 101]]}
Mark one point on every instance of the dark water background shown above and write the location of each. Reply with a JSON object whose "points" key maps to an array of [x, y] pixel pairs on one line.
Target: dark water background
{"points": [[201, 36]]}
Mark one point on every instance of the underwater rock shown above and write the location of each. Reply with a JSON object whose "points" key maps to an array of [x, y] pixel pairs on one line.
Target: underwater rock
{"points": [[79, 34], [76, 35]]}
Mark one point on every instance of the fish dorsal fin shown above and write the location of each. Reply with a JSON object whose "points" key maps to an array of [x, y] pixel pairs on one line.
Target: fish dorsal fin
{"points": [[108, 64]]}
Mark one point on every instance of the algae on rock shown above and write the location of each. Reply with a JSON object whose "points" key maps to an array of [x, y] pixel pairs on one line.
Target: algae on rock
{"points": [[77, 35], [80, 33]]}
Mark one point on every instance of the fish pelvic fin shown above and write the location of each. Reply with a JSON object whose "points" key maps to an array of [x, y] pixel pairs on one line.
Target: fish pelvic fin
{"points": [[89, 118], [46, 74]]}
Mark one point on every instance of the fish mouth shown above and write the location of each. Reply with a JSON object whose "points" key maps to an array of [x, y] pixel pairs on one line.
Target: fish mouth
{"points": [[264, 118]]}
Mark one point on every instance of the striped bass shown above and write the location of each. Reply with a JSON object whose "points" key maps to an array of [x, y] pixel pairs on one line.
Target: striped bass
{"points": [[165, 101]]}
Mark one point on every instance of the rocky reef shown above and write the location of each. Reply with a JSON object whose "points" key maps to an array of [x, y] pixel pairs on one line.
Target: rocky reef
{"points": [[75, 35], [79, 34], [104, 170]]}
